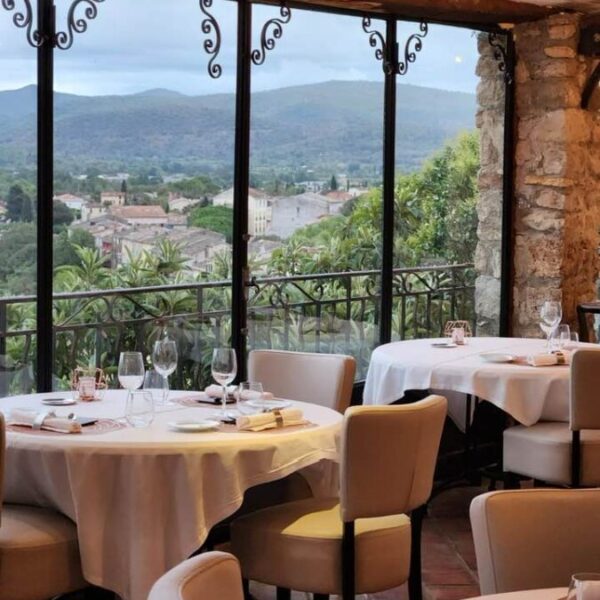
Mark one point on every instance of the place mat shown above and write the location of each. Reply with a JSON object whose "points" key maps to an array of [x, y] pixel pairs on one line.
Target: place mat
{"points": [[231, 428], [100, 426], [194, 401]]}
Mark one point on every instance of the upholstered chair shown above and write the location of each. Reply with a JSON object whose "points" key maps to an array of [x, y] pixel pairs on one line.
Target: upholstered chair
{"points": [[536, 538], [361, 541], [324, 379], [208, 576], [563, 453], [39, 553]]}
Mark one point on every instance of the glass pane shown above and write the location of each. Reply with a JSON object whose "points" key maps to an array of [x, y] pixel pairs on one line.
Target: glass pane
{"points": [[18, 208], [144, 143], [438, 199], [315, 199]]}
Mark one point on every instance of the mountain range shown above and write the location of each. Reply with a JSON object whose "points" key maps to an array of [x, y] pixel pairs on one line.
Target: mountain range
{"points": [[334, 124]]}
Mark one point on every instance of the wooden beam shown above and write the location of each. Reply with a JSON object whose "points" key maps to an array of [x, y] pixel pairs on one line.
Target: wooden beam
{"points": [[477, 12]]}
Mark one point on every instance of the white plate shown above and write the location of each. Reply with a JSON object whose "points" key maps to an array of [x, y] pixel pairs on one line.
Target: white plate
{"points": [[269, 404], [193, 426], [497, 357], [58, 401], [444, 345]]}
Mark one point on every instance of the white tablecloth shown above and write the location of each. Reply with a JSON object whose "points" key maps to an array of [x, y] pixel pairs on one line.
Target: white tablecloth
{"points": [[145, 499], [543, 594], [528, 394]]}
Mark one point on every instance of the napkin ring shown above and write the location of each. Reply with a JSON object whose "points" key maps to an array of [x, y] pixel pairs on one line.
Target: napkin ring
{"points": [[39, 420], [278, 418]]}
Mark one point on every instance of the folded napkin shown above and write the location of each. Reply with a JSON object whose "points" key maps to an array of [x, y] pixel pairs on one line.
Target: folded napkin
{"points": [[252, 395], [216, 391], [548, 360], [270, 420], [37, 420]]}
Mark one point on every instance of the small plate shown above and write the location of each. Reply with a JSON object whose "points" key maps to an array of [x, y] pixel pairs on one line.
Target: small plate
{"points": [[58, 401], [269, 404], [444, 345], [193, 426], [498, 357]]}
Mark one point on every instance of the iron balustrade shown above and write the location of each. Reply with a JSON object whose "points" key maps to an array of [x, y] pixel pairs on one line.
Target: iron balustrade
{"points": [[329, 312]]}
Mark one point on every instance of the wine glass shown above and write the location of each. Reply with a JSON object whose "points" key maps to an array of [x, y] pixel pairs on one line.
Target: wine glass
{"points": [[564, 336], [164, 359], [131, 370], [224, 370], [584, 586], [551, 314], [246, 392]]}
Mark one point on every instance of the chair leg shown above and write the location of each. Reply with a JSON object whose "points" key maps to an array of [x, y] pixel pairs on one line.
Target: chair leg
{"points": [[511, 481], [415, 583], [284, 594], [320, 596], [348, 562], [246, 588]]}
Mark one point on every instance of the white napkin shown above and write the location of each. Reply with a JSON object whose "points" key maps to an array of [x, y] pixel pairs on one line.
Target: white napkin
{"points": [[216, 391], [548, 360], [26, 418], [270, 420]]}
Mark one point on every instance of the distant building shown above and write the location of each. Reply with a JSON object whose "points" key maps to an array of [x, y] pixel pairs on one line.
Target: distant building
{"points": [[198, 246], [103, 229], [178, 203], [92, 210], [311, 186], [71, 201], [337, 200], [141, 215], [259, 209], [260, 251], [113, 198], [292, 212]]}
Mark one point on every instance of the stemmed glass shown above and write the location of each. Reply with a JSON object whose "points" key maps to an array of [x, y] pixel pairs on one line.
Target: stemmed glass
{"points": [[584, 586], [131, 370], [224, 370], [164, 359], [551, 314]]}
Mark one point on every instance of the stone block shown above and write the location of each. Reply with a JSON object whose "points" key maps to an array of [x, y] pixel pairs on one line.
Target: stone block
{"points": [[538, 256], [558, 182], [560, 52], [549, 198], [543, 220], [561, 31]]}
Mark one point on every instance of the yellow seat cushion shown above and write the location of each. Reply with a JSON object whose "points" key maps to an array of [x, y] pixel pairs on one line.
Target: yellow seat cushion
{"points": [[298, 546], [39, 554]]}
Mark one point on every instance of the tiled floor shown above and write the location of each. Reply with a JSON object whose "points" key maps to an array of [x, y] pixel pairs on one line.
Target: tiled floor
{"points": [[449, 570]]}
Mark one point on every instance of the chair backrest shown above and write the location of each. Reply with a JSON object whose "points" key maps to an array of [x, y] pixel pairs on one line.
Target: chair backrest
{"points": [[532, 539], [324, 379], [388, 457], [585, 381], [207, 576], [2, 453]]}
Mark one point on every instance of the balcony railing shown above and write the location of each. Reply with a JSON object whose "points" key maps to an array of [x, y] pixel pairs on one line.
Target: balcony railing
{"points": [[330, 312]]}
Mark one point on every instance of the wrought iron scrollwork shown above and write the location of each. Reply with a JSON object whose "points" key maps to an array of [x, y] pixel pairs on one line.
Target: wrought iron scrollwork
{"points": [[500, 55], [271, 32], [377, 41], [23, 19], [212, 45], [389, 55], [413, 45], [64, 39]]}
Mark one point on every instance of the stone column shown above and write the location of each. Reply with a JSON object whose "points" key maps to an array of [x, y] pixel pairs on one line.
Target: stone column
{"points": [[557, 174], [490, 122]]}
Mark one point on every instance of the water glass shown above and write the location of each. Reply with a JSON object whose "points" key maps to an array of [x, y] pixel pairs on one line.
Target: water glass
{"points": [[157, 385], [164, 358], [551, 315], [584, 586], [131, 370], [139, 411], [245, 393], [564, 336], [224, 370]]}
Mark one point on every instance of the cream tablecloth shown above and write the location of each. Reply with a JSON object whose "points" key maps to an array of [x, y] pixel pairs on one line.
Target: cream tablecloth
{"points": [[543, 594], [528, 394], [145, 499]]}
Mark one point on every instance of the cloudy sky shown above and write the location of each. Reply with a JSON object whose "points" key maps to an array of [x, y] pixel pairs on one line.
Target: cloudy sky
{"points": [[135, 45]]}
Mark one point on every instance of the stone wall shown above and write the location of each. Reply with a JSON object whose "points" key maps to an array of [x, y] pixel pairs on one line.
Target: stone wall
{"points": [[490, 121], [557, 174]]}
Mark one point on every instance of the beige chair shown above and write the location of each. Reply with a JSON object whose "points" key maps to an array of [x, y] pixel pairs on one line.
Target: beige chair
{"points": [[360, 542], [530, 539], [324, 379], [39, 553], [563, 453], [208, 576]]}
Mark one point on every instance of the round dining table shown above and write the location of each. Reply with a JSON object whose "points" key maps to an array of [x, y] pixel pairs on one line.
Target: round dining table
{"points": [[144, 499], [540, 594], [528, 394]]}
